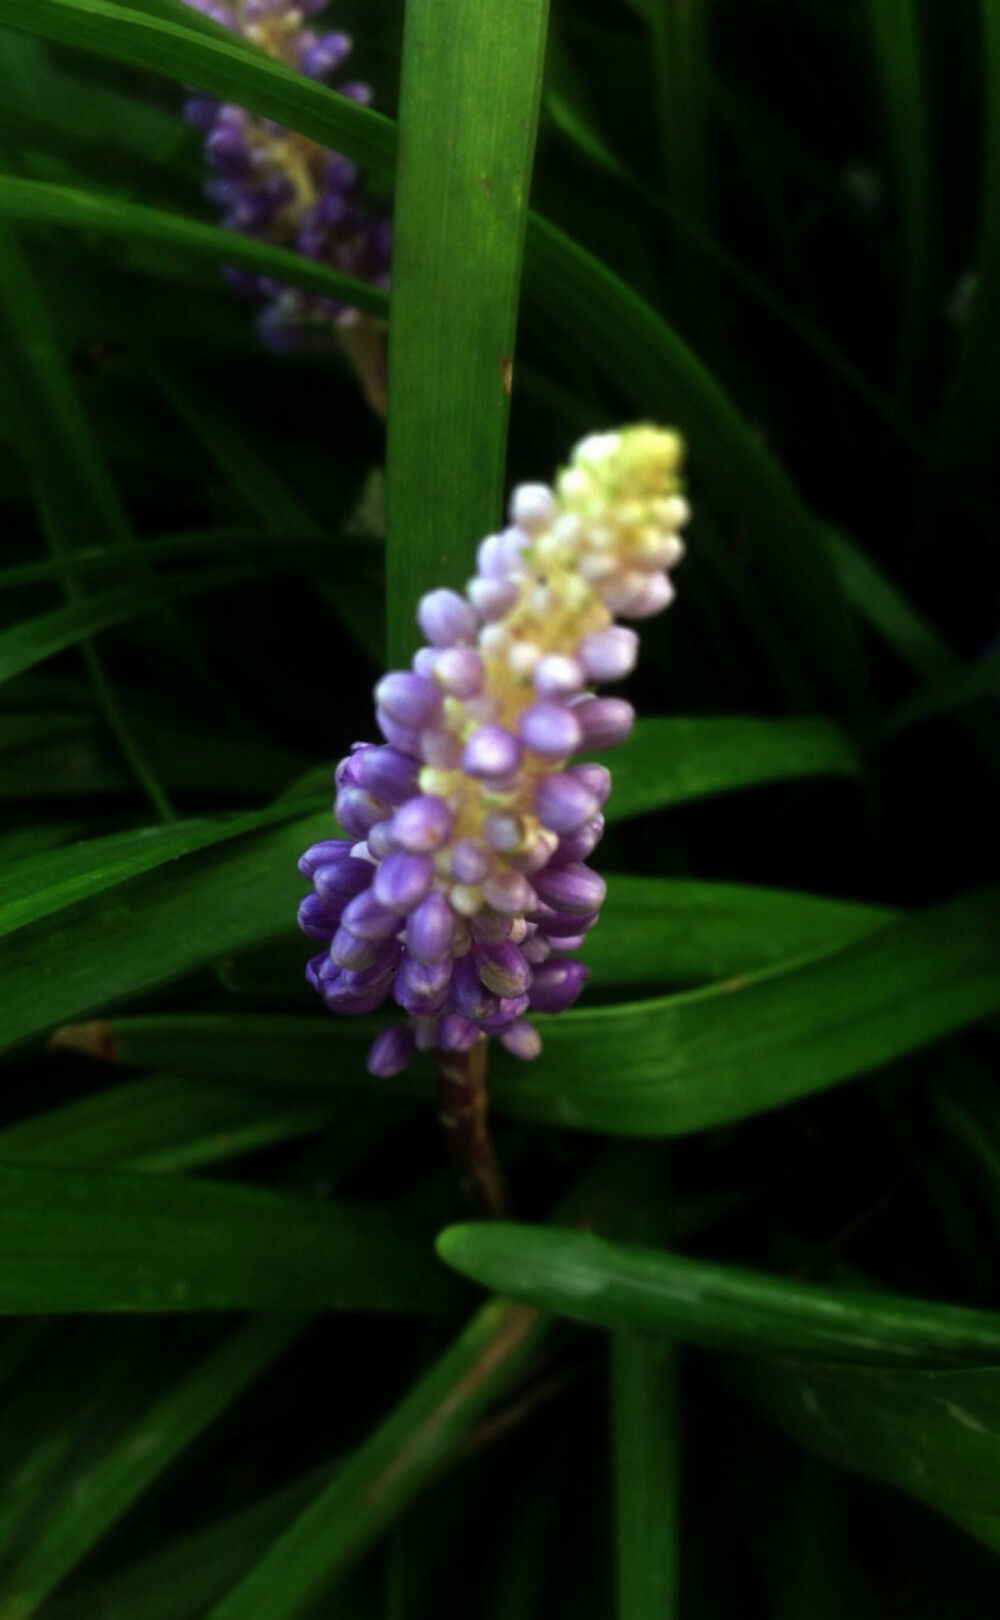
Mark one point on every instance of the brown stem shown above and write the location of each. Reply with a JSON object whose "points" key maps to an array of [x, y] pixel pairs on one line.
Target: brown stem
{"points": [[462, 1107]]}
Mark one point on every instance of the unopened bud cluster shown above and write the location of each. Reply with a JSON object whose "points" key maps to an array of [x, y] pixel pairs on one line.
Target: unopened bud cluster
{"points": [[463, 888], [274, 184]]}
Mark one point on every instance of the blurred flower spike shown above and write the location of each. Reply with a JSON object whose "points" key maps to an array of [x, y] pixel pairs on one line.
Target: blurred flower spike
{"points": [[281, 187], [463, 889]]}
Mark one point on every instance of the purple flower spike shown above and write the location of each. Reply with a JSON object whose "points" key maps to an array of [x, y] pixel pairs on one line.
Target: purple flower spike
{"points": [[467, 889], [422, 824], [391, 1050], [491, 752], [430, 929], [563, 802], [402, 881], [550, 729], [556, 985]]}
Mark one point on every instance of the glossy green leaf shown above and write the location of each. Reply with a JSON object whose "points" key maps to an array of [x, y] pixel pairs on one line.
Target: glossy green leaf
{"points": [[673, 760], [45, 883], [79, 1240], [160, 1124], [152, 928], [32, 641], [212, 61], [933, 1434], [619, 1285], [469, 98], [36, 202]]}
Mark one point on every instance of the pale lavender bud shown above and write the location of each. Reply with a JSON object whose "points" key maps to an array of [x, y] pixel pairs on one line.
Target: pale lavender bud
{"points": [[446, 618], [441, 750], [573, 888], [538, 850], [491, 753], [430, 929], [522, 1040], [423, 661], [381, 841], [595, 778], [557, 676], [536, 949], [563, 803], [492, 598], [391, 1050], [608, 655], [559, 925], [532, 508], [502, 555], [325, 55], [402, 880], [604, 721], [422, 824], [471, 861], [550, 729], [503, 969], [459, 670], [509, 893], [571, 942], [402, 738], [367, 919], [556, 985], [409, 700], [652, 597], [503, 831], [348, 951], [510, 1008]]}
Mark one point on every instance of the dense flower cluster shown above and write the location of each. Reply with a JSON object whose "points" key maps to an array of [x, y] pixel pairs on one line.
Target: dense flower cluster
{"points": [[464, 886], [274, 184]]}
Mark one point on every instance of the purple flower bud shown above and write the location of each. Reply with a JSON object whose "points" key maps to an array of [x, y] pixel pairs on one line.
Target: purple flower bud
{"points": [[557, 676], [328, 852], [327, 54], [573, 888], [421, 988], [471, 861], [341, 880], [565, 925], [550, 729], [357, 811], [604, 721], [430, 929], [501, 555], [510, 1008], [556, 985], [348, 951], [563, 802], [596, 778], [316, 919], [457, 1034], [576, 846], [408, 700], [402, 880], [446, 618], [532, 507], [459, 670], [536, 949], [469, 995], [422, 824], [391, 1050], [503, 831], [522, 1040], [510, 894], [386, 773], [492, 753], [381, 841], [403, 738], [608, 655], [572, 942], [503, 969], [367, 919], [201, 111]]}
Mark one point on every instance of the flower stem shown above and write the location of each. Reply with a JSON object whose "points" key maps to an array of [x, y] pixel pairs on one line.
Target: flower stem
{"points": [[462, 1109]]}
